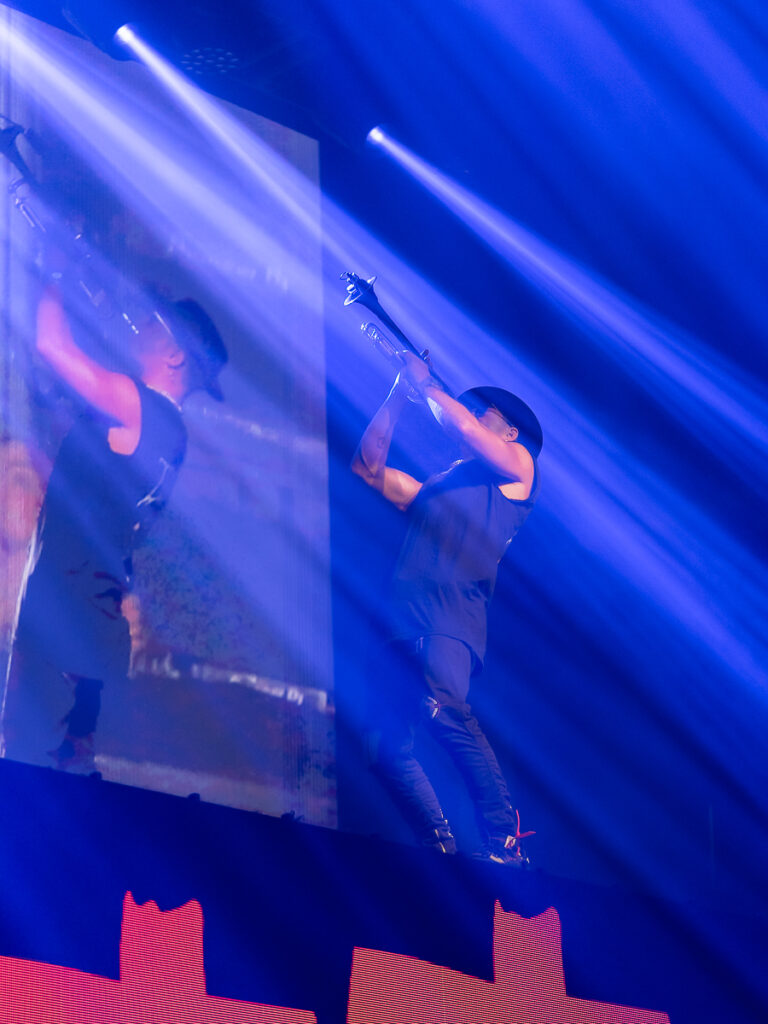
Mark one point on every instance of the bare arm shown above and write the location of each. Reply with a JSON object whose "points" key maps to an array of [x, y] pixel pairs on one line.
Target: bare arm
{"points": [[113, 394], [370, 459], [499, 450]]}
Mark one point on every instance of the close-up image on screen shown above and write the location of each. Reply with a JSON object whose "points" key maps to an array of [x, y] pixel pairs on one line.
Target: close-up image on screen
{"points": [[129, 225]]}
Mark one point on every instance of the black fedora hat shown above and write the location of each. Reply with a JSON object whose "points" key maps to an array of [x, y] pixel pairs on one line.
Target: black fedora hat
{"points": [[197, 334], [512, 408]]}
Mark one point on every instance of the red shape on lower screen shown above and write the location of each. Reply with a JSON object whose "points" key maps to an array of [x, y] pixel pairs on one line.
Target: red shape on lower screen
{"points": [[162, 981], [528, 985]]}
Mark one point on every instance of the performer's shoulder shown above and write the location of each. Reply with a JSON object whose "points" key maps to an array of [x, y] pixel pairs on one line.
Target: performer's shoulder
{"points": [[162, 422], [521, 491]]}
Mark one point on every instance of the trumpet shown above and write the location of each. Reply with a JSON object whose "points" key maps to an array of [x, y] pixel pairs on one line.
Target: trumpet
{"points": [[362, 292], [74, 247]]}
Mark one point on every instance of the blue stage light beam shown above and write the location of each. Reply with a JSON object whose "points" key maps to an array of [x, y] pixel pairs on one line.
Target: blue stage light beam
{"points": [[578, 295], [675, 368], [211, 117], [233, 240], [434, 318], [633, 525]]}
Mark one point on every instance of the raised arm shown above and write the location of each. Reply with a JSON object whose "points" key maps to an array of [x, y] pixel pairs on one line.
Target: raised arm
{"points": [[490, 438], [113, 394], [370, 459]]}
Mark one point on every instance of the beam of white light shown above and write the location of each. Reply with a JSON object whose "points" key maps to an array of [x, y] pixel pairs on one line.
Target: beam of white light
{"points": [[671, 365], [175, 191], [662, 554], [610, 80], [254, 158], [173, 188], [674, 590], [634, 525], [707, 56], [162, 173]]}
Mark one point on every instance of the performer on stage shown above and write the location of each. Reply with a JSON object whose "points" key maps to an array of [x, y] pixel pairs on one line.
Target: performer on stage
{"points": [[461, 523], [111, 477]]}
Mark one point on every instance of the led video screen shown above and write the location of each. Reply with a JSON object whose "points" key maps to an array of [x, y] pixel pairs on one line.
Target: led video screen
{"points": [[138, 200], [384, 988]]}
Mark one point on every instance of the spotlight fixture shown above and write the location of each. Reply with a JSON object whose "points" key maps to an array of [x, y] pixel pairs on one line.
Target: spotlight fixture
{"points": [[125, 34], [375, 135]]}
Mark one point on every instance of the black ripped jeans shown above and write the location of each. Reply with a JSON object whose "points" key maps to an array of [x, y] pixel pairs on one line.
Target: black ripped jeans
{"points": [[429, 683], [44, 708]]}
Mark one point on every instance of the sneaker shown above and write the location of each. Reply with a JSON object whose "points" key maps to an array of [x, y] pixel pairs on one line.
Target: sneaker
{"points": [[505, 848]]}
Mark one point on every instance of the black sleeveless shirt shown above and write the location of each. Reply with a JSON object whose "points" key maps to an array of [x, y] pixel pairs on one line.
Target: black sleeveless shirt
{"points": [[97, 509], [460, 527]]}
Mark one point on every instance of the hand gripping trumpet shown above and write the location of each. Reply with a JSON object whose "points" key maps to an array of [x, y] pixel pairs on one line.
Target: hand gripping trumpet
{"points": [[362, 292], [73, 247]]}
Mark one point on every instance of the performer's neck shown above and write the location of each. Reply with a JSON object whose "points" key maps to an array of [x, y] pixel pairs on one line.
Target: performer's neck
{"points": [[166, 388]]}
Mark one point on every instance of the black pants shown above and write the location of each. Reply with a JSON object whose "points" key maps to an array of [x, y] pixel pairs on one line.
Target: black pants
{"points": [[44, 708], [428, 683]]}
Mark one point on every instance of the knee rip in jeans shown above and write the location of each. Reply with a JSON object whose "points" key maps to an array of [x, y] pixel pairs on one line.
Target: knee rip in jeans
{"points": [[430, 708]]}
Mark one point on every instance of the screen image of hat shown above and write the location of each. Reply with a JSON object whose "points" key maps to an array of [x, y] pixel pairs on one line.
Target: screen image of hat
{"points": [[199, 337]]}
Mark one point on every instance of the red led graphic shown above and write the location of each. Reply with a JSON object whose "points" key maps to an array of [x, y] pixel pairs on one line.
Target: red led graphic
{"points": [[529, 985], [162, 981]]}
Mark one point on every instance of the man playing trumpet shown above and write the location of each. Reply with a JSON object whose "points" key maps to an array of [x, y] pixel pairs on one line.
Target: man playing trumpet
{"points": [[461, 522], [112, 476]]}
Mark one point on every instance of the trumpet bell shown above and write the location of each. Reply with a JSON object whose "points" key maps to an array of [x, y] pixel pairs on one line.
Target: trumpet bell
{"points": [[357, 288]]}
